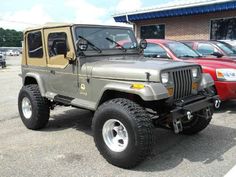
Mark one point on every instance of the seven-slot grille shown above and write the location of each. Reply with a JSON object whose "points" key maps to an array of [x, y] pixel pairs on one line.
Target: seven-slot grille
{"points": [[182, 83]]}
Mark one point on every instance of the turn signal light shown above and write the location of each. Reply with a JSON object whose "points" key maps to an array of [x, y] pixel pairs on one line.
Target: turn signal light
{"points": [[170, 91], [220, 74], [137, 86], [194, 86]]}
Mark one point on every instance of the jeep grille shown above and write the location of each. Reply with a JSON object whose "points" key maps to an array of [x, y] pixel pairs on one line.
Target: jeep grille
{"points": [[182, 83]]}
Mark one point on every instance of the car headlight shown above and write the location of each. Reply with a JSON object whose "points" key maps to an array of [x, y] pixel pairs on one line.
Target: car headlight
{"points": [[195, 73], [226, 74], [165, 78]]}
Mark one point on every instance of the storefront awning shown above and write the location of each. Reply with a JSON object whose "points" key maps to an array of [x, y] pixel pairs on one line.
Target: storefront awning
{"points": [[194, 10]]}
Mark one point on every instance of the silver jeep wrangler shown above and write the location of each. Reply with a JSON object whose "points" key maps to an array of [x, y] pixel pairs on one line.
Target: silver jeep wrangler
{"points": [[102, 69]]}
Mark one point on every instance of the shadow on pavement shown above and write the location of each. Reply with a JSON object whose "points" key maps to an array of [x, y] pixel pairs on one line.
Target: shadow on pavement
{"points": [[227, 106], [170, 149], [74, 118]]}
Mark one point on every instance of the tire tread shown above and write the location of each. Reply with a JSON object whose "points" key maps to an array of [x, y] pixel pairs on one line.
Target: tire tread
{"points": [[144, 128], [42, 106]]}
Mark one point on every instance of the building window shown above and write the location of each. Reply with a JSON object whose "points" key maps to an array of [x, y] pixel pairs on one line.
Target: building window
{"points": [[153, 32], [57, 44], [35, 46], [223, 29]]}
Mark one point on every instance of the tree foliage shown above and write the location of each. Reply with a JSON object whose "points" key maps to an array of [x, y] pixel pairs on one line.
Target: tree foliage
{"points": [[10, 38]]}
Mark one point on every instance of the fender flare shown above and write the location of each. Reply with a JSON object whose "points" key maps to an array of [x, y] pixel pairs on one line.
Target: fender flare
{"points": [[207, 81], [151, 91], [38, 80]]}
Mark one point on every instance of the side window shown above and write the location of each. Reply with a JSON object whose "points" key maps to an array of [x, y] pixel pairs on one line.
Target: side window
{"points": [[57, 44], [154, 50], [35, 46], [205, 49]]}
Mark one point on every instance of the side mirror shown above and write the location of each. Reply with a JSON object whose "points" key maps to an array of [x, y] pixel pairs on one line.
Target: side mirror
{"points": [[217, 54], [82, 45], [143, 44]]}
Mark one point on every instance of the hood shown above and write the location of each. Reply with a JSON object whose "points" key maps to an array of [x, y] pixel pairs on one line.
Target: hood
{"points": [[131, 68], [214, 63]]}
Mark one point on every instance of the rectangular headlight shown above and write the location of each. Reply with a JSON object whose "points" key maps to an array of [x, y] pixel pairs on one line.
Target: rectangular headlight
{"points": [[165, 78], [195, 73]]}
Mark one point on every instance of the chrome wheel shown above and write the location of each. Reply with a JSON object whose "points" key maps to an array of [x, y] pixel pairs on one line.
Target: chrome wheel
{"points": [[26, 108], [115, 135]]}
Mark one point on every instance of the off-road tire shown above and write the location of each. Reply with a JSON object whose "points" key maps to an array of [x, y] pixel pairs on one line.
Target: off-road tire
{"points": [[197, 124], [138, 125], [40, 107]]}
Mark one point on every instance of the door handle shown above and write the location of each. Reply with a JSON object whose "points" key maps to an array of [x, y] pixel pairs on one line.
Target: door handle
{"points": [[52, 72]]}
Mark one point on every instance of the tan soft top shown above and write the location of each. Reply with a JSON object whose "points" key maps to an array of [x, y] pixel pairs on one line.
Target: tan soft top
{"points": [[48, 25], [54, 25]]}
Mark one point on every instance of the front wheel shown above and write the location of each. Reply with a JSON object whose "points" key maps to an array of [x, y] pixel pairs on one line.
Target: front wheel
{"points": [[33, 108], [123, 132]]}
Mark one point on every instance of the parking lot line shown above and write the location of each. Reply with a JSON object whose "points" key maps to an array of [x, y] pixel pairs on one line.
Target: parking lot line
{"points": [[232, 172]]}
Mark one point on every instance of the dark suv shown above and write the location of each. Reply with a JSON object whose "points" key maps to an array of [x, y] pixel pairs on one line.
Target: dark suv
{"points": [[2, 60]]}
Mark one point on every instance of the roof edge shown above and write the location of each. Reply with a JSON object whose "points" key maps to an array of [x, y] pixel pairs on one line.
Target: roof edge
{"points": [[171, 7]]}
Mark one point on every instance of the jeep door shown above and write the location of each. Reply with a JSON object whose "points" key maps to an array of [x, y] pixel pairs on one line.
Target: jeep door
{"points": [[62, 74]]}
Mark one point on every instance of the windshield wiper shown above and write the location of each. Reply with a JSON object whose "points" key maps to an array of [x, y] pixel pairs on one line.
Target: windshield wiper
{"points": [[117, 44], [91, 44], [186, 56]]}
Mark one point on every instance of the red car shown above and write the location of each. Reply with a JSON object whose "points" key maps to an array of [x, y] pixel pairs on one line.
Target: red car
{"points": [[222, 71], [219, 49]]}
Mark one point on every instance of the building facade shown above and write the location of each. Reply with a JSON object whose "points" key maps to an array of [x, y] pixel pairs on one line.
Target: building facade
{"points": [[196, 19]]}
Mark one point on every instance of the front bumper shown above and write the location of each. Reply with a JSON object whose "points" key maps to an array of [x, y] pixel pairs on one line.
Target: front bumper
{"points": [[192, 105], [226, 90]]}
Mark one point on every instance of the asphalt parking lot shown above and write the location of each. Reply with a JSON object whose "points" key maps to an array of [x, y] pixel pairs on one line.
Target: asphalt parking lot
{"points": [[65, 148]]}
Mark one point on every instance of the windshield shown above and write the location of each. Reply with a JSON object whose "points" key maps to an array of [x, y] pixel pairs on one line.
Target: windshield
{"points": [[105, 38], [227, 48], [181, 50]]}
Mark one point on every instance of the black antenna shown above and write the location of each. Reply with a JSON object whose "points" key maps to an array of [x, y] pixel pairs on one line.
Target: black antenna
{"points": [[148, 76]]}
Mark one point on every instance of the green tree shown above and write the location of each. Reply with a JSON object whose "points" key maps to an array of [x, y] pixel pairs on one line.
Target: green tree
{"points": [[10, 38]]}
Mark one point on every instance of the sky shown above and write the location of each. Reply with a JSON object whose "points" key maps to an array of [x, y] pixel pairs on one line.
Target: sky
{"points": [[18, 15]]}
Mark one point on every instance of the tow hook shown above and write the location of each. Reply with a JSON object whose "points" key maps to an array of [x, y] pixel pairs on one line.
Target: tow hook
{"points": [[178, 127], [189, 115], [217, 103]]}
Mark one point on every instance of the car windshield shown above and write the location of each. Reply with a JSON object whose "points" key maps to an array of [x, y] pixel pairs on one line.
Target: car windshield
{"points": [[227, 48], [105, 38], [181, 50]]}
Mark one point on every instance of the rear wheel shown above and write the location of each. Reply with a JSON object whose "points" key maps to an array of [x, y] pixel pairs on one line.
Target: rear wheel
{"points": [[33, 108], [123, 132]]}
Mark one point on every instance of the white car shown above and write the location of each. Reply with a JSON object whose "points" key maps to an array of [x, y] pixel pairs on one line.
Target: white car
{"points": [[231, 42], [13, 53]]}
